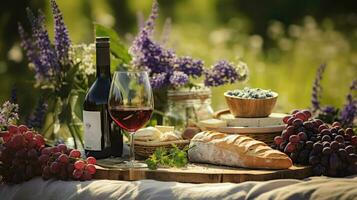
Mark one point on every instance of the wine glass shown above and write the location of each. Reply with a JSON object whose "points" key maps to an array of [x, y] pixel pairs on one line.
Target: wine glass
{"points": [[131, 104]]}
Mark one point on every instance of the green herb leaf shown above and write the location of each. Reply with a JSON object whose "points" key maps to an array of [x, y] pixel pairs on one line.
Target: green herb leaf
{"points": [[173, 157]]}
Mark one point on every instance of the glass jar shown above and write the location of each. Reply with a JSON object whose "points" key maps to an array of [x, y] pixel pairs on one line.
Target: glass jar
{"points": [[187, 106]]}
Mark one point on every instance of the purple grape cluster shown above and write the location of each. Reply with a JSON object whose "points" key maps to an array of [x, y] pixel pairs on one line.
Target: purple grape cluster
{"points": [[19, 154], [23, 155], [63, 163], [330, 149]]}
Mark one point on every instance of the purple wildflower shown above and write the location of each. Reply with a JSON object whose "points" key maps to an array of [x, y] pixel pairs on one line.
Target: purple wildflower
{"points": [[47, 55], [189, 66], [316, 88], [158, 80], [62, 41], [148, 54], [349, 111], [178, 79], [36, 119], [221, 73]]}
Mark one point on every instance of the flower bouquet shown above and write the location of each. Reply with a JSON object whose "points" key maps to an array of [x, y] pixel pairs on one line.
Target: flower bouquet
{"points": [[62, 73]]}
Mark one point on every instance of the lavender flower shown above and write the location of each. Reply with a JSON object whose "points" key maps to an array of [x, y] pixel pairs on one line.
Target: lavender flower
{"points": [[328, 114], [31, 53], [62, 41], [316, 88], [36, 119], [221, 73], [189, 66], [349, 111], [148, 54], [158, 80], [47, 55], [178, 79]]}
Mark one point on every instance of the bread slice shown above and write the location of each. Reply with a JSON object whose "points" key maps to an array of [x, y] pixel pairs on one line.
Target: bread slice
{"points": [[235, 150]]}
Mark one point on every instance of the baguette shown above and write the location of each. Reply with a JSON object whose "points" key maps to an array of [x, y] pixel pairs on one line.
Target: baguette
{"points": [[235, 150]]}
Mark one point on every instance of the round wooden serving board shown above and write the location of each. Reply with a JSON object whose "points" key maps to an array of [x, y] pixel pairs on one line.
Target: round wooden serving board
{"points": [[203, 173]]}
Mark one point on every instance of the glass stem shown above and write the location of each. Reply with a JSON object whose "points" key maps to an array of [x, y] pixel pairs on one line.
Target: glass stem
{"points": [[131, 151]]}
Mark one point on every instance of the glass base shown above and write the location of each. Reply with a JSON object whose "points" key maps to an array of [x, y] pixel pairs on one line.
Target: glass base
{"points": [[120, 163]]}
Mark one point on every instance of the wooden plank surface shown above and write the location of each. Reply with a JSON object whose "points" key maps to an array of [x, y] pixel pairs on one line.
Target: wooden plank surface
{"points": [[203, 173]]}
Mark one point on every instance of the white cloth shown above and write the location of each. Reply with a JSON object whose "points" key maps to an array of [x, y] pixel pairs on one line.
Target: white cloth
{"points": [[315, 188]]}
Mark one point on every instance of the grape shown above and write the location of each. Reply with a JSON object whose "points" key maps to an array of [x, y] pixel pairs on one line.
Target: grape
{"points": [[326, 138], [294, 139], [319, 122], [350, 149], [317, 147], [86, 176], [340, 139], [334, 146], [349, 131], [343, 154], [301, 116], [325, 132], [336, 124], [79, 164], [77, 173], [307, 113], [290, 120], [341, 132], [290, 147], [285, 119], [55, 167], [290, 130], [29, 135], [23, 128], [354, 140], [285, 135], [62, 148], [308, 125], [63, 158], [46, 151], [326, 151], [13, 129], [90, 168], [302, 136], [93, 161], [331, 150], [44, 158], [322, 127], [75, 154], [326, 144], [55, 149], [297, 122]]}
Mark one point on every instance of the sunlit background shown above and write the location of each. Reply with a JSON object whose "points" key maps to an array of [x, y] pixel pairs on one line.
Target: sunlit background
{"points": [[283, 42]]}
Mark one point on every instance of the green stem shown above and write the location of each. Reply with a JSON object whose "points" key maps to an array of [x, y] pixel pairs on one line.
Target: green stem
{"points": [[77, 131], [73, 134]]}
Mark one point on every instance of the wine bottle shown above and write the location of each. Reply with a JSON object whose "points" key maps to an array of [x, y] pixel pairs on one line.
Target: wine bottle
{"points": [[100, 138]]}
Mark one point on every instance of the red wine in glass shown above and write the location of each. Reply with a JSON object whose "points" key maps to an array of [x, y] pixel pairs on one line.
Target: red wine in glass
{"points": [[131, 119]]}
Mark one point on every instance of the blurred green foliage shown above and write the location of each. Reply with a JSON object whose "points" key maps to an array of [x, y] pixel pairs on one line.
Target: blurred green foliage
{"points": [[283, 42]]}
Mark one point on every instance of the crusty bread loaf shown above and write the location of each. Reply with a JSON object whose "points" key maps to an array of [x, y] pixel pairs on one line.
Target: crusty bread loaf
{"points": [[235, 150]]}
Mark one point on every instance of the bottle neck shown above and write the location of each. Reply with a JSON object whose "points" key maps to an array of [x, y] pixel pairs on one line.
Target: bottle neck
{"points": [[103, 61]]}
